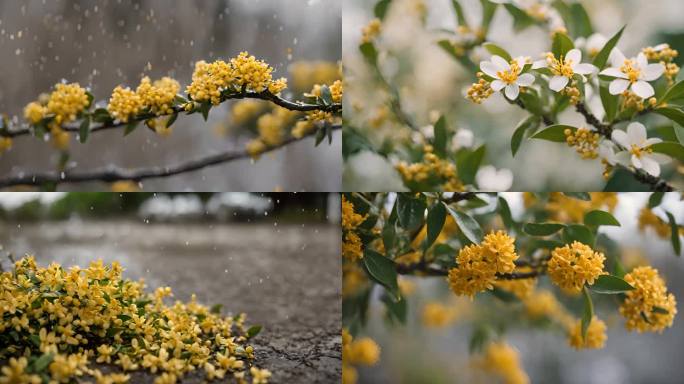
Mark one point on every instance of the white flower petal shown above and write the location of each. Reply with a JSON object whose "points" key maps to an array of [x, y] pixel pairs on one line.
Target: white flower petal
{"points": [[660, 47], [641, 60], [621, 138], [501, 62], [617, 58], [497, 85], [651, 141], [643, 89], [660, 158], [618, 86], [652, 72], [525, 80], [574, 55], [512, 91], [613, 72], [623, 158], [521, 60], [636, 134], [558, 82], [490, 69], [585, 69], [636, 162], [651, 166]]}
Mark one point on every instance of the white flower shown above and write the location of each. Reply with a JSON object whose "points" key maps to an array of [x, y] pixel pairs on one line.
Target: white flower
{"points": [[428, 131], [462, 139], [607, 153], [564, 68], [637, 149], [593, 44], [632, 73], [507, 75], [492, 180]]}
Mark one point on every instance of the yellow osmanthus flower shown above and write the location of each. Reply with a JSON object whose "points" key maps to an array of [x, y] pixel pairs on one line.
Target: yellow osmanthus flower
{"points": [[79, 315], [350, 219], [256, 148], [480, 91], [503, 360], [305, 74], [521, 288], [585, 142], [477, 265], [648, 307], [596, 335], [259, 376], [569, 209], [543, 303], [35, 112], [245, 111], [354, 279], [572, 266], [648, 219], [337, 91], [66, 102], [209, 79], [431, 170], [438, 315], [5, 144], [352, 248], [15, 373], [158, 96], [124, 104], [371, 31], [252, 73], [278, 86], [363, 351], [303, 128]]}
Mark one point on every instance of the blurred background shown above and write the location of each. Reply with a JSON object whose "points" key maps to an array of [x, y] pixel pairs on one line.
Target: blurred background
{"points": [[104, 43], [431, 82], [274, 257], [422, 352]]}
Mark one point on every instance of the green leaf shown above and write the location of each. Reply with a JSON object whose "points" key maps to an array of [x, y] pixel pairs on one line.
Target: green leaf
{"points": [[597, 218], [90, 100], [609, 102], [578, 232], [435, 221], [440, 143], [253, 331], [130, 127], [204, 109], [216, 309], [497, 50], [396, 309], [382, 270], [578, 195], [655, 199], [460, 15], [369, 52], [411, 211], [674, 229], [353, 142], [582, 22], [542, 229], [101, 115], [470, 228], [554, 133], [660, 310], [381, 8], [587, 313], [602, 57], [479, 337], [610, 285], [326, 95], [531, 122], [469, 163], [674, 92], [679, 132], [673, 114], [320, 136], [504, 295], [505, 212], [531, 103], [561, 44], [488, 10], [42, 362], [84, 130], [171, 120], [670, 148]]}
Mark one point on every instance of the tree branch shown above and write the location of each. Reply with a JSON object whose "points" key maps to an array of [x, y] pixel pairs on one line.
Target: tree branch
{"points": [[427, 270], [266, 95], [113, 174]]}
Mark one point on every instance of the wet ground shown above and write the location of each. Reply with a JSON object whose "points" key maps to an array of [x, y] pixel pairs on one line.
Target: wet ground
{"points": [[285, 277]]}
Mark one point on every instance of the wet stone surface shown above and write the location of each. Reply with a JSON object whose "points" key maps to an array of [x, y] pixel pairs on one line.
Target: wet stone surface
{"points": [[286, 277]]}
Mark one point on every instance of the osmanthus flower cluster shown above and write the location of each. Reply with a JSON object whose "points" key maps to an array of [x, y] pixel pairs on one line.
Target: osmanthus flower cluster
{"points": [[57, 324], [531, 270], [362, 351]]}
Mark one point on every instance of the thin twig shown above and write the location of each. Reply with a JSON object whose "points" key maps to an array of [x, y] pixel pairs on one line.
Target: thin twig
{"points": [[427, 270], [266, 95], [113, 174], [603, 129]]}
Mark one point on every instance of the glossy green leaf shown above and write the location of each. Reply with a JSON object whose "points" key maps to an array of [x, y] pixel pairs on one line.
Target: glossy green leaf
{"points": [[435, 221], [381, 270], [84, 130], [674, 92], [529, 123], [411, 211], [674, 232], [488, 10], [610, 285], [602, 57], [42, 362], [253, 331], [505, 212], [581, 20], [521, 19], [587, 313], [130, 127], [578, 232], [597, 218], [561, 44], [542, 229], [369, 53], [381, 8], [470, 228], [396, 309], [554, 133], [673, 114], [460, 15], [609, 102], [440, 143], [469, 163], [655, 199], [670, 148]]}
